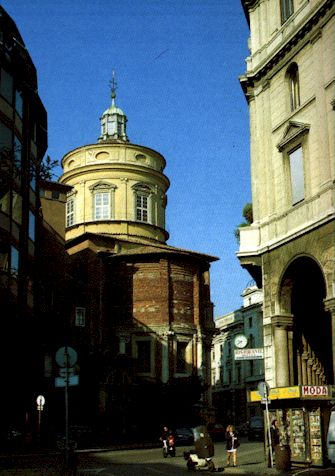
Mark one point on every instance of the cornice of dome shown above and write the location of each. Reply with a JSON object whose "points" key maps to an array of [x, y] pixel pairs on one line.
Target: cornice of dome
{"points": [[123, 166]]}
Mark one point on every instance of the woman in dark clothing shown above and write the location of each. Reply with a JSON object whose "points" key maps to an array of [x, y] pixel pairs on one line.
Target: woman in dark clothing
{"points": [[274, 431], [232, 444]]}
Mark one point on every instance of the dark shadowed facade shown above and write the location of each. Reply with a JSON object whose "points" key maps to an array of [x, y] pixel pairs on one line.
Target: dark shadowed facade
{"points": [[23, 142]]}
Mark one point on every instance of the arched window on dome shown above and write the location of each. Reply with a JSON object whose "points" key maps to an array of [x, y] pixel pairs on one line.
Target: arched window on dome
{"points": [[102, 201], [143, 203], [292, 75]]}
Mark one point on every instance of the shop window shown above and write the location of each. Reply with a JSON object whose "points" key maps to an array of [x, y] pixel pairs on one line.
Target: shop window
{"points": [[286, 9], [80, 320]]}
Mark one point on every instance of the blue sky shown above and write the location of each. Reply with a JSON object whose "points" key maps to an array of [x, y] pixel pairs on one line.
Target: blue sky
{"points": [[177, 64]]}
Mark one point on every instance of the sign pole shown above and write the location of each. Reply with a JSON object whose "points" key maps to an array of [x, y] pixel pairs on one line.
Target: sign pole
{"points": [[66, 390], [268, 423], [66, 357], [40, 403]]}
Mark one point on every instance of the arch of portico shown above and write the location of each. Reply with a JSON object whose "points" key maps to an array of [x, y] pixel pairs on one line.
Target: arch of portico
{"points": [[303, 328]]}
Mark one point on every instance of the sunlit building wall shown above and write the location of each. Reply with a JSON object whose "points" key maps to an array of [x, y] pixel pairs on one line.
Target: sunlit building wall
{"points": [[289, 249]]}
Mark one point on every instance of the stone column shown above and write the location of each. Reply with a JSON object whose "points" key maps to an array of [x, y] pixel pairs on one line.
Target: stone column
{"points": [[282, 325], [330, 307], [304, 378]]}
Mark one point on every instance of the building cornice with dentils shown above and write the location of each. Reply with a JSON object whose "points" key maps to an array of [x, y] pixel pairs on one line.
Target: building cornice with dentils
{"points": [[302, 35]]}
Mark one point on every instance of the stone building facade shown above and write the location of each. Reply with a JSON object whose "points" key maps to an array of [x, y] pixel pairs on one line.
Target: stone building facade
{"points": [[231, 378], [289, 249]]}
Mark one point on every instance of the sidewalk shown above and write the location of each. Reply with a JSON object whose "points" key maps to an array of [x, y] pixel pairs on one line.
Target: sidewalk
{"points": [[51, 464], [261, 469]]}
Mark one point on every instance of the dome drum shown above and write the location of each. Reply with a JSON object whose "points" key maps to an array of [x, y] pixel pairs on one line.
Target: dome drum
{"points": [[113, 153]]}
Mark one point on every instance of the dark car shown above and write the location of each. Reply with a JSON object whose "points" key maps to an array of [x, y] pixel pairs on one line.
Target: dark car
{"points": [[256, 428], [242, 429], [216, 431], [184, 436]]}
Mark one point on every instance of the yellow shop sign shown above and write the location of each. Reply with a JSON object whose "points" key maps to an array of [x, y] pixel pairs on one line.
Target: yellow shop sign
{"points": [[278, 393]]}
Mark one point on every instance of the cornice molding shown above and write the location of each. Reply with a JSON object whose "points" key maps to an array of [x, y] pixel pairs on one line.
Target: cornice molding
{"points": [[310, 30]]}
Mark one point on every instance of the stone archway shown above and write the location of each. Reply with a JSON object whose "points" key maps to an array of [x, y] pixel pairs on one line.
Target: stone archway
{"points": [[302, 293]]}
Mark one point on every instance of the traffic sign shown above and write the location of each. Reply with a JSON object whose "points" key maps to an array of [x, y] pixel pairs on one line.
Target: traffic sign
{"points": [[263, 389], [61, 382], [40, 400], [66, 357]]}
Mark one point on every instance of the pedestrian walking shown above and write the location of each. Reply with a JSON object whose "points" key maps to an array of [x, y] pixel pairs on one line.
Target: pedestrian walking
{"points": [[232, 443]]}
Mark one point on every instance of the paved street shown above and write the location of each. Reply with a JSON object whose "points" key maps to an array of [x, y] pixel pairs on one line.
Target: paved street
{"points": [[146, 462]]}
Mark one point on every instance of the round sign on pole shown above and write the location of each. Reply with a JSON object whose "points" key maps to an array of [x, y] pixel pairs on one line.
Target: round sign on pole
{"points": [[40, 400], [66, 357], [263, 389]]}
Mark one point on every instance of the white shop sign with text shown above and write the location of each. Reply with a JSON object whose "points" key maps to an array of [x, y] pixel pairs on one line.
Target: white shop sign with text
{"points": [[314, 390], [249, 354]]}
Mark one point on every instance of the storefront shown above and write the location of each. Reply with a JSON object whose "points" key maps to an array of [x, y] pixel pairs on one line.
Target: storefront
{"points": [[303, 414]]}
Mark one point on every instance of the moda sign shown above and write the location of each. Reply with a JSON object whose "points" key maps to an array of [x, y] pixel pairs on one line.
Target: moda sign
{"points": [[314, 391]]}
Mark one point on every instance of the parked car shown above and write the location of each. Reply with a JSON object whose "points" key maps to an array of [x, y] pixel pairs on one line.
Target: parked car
{"points": [[184, 436], [242, 428], [256, 428], [217, 431]]}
